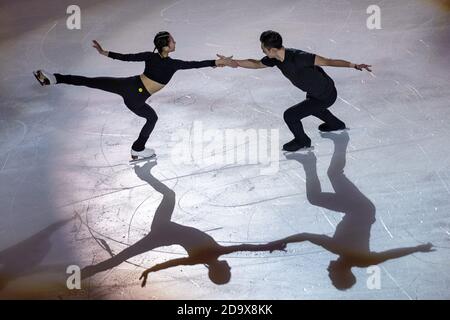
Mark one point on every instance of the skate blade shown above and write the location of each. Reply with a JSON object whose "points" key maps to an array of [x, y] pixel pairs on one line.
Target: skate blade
{"points": [[335, 131], [305, 149], [137, 159]]}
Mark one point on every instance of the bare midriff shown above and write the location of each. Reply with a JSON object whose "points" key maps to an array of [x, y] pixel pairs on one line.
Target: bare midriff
{"points": [[151, 85]]}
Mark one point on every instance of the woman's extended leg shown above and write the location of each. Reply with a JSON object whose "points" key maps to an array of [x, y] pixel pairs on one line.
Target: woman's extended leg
{"points": [[132, 91], [109, 84]]}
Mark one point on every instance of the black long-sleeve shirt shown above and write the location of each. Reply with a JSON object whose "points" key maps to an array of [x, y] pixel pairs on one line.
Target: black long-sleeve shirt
{"points": [[161, 69], [298, 66]]}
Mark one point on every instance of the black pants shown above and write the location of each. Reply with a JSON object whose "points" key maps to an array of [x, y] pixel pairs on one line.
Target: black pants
{"points": [[308, 107], [132, 91]]}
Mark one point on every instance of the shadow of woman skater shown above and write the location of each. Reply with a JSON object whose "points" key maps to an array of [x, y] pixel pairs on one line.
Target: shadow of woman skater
{"points": [[201, 247]]}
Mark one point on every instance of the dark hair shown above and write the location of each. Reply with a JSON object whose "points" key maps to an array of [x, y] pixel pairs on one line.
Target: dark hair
{"points": [[219, 272], [341, 275], [161, 40], [271, 39]]}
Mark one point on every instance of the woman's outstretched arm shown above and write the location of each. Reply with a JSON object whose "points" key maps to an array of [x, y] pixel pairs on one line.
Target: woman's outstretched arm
{"points": [[221, 62], [184, 65], [379, 257], [142, 56]]}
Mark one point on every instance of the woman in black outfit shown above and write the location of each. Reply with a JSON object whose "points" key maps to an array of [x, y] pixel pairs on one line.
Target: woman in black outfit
{"points": [[159, 69]]}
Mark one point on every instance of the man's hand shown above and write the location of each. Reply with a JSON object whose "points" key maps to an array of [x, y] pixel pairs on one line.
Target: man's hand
{"points": [[226, 61], [99, 48], [362, 66]]}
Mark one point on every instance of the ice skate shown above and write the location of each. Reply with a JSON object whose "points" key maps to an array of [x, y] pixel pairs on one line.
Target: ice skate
{"points": [[296, 145], [145, 154], [44, 78], [325, 127]]}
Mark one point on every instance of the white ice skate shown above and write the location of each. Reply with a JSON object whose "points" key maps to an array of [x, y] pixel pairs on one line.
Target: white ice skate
{"points": [[142, 155], [44, 78]]}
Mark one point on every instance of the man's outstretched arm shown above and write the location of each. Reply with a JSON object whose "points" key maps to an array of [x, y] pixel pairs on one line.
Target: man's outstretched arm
{"points": [[250, 64], [247, 63], [322, 61]]}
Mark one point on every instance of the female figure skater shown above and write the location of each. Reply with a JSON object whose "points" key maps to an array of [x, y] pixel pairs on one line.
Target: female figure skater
{"points": [[304, 70], [159, 69]]}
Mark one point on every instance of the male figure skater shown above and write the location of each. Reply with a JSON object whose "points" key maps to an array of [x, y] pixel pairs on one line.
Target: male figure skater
{"points": [[304, 70]]}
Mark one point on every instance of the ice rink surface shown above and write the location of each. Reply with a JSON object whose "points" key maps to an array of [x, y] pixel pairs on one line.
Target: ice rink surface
{"points": [[372, 195]]}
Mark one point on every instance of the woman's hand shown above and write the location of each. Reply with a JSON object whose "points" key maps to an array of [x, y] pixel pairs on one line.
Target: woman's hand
{"points": [[99, 48], [226, 61]]}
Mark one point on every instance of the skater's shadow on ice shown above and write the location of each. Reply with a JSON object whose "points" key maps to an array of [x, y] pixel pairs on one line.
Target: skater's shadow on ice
{"points": [[351, 239], [201, 247], [25, 258]]}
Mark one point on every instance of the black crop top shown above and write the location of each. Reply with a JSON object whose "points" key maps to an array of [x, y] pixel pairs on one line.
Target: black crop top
{"points": [[161, 69]]}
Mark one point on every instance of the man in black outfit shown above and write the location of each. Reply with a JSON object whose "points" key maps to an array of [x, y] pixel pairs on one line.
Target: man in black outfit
{"points": [[304, 71]]}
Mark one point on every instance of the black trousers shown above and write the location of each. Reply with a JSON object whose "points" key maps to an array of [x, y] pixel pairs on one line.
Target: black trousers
{"points": [[133, 92], [310, 106]]}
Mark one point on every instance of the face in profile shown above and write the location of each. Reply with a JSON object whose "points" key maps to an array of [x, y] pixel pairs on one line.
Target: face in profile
{"points": [[171, 44], [271, 53]]}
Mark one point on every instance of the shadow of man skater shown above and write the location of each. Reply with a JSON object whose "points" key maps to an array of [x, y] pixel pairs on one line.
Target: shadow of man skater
{"points": [[351, 239], [201, 247]]}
